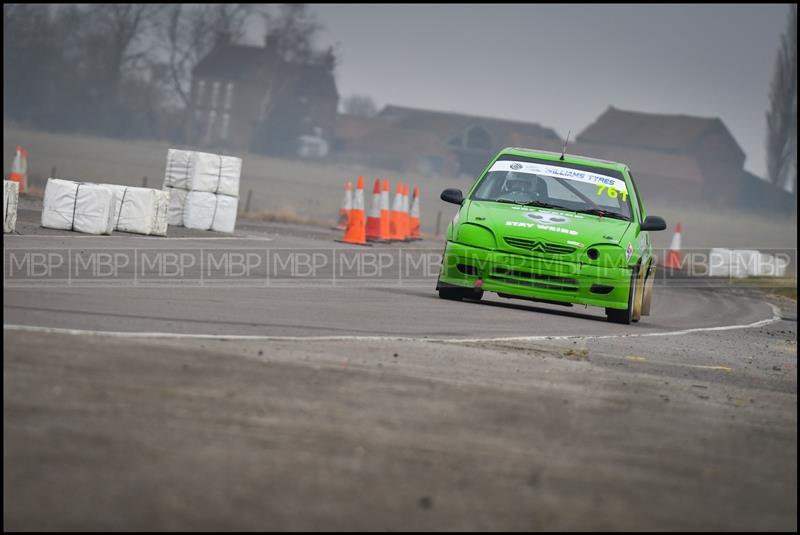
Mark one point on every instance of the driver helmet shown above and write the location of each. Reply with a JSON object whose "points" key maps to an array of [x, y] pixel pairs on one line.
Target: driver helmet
{"points": [[517, 182]]}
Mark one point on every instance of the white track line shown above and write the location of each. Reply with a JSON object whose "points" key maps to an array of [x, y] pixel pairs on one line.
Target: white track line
{"points": [[120, 334]]}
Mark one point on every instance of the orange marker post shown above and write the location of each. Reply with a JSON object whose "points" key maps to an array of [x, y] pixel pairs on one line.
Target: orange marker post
{"points": [[374, 218], [674, 253], [396, 216], [19, 169], [356, 231], [347, 205], [385, 213]]}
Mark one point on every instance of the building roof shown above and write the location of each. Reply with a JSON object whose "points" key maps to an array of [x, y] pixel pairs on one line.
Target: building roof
{"points": [[678, 133], [668, 166], [355, 126], [237, 62], [447, 123], [393, 140], [516, 139]]}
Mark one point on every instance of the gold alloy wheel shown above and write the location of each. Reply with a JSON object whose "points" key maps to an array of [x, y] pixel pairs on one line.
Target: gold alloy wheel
{"points": [[647, 298], [639, 296]]}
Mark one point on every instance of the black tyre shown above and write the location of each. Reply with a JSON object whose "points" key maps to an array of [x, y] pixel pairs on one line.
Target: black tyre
{"points": [[626, 316], [457, 293]]}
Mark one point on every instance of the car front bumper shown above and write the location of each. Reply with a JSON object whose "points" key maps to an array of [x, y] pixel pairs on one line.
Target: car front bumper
{"points": [[537, 278]]}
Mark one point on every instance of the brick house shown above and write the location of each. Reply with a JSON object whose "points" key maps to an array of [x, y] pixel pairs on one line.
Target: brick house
{"points": [[473, 140], [248, 98], [671, 156], [435, 142], [374, 142]]}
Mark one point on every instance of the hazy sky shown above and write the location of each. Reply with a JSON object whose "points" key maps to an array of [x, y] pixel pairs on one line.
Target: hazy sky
{"points": [[562, 65]]}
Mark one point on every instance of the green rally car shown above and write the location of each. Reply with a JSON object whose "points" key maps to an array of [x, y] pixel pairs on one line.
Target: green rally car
{"points": [[551, 227]]}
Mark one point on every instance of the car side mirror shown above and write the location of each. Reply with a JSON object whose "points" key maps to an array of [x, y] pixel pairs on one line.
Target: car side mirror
{"points": [[653, 222], [452, 195]]}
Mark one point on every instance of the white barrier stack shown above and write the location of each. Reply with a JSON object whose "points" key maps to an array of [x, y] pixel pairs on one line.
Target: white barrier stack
{"points": [[204, 189], [10, 202], [177, 200], [745, 263], [740, 263], [141, 210], [80, 206], [207, 211], [719, 262], [179, 169]]}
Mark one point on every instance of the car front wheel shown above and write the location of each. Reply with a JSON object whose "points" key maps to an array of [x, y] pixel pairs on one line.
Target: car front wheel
{"points": [[626, 316], [457, 293]]}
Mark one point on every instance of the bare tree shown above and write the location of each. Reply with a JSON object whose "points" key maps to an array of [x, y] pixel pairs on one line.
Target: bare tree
{"points": [[782, 115], [190, 32], [36, 75], [117, 40], [360, 105], [295, 29], [292, 30]]}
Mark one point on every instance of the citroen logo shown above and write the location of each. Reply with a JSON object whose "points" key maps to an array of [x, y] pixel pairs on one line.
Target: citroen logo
{"points": [[538, 246]]}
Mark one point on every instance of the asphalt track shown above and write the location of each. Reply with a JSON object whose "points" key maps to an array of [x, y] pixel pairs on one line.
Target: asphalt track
{"points": [[344, 404], [322, 305]]}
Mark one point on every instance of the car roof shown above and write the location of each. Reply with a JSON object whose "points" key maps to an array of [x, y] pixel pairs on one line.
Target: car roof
{"points": [[569, 158]]}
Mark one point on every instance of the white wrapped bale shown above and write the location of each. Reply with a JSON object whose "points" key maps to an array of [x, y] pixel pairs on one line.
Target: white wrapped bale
{"points": [[206, 211], [745, 263], [768, 265], [202, 171], [79, 206], [179, 169], [742, 263], [141, 210], [230, 175], [198, 212], [177, 200], [719, 262], [216, 173], [10, 202], [225, 217], [781, 265], [161, 207]]}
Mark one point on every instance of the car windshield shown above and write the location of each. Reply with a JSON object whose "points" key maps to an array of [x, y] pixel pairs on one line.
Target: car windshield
{"points": [[556, 185]]}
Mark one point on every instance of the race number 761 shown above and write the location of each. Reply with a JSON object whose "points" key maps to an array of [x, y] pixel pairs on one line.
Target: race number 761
{"points": [[612, 192]]}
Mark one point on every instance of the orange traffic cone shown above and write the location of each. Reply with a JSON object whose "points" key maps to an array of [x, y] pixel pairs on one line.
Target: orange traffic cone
{"points": [[396, 216], [347, 205], [356, 231], [406, 221], [413, 216], [674, 253], [19, 169], [374, 219], [385, 214]]}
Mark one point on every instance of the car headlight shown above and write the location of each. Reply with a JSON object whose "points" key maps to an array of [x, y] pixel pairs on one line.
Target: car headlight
{"points": [[476, 236]]}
